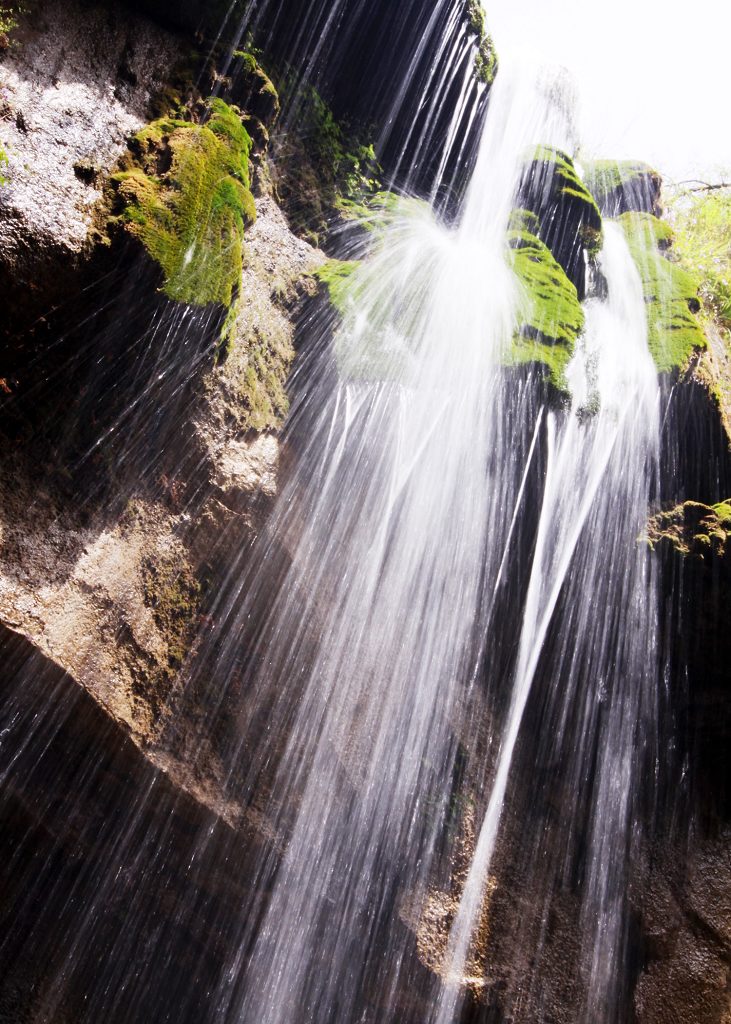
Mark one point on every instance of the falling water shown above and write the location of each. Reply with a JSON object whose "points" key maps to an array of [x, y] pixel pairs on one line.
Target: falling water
{"points": [[598, 480], [414, 477], [424, 476]]}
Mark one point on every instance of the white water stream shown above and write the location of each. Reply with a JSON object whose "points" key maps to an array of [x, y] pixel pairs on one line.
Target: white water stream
{"points": [[449, 592], [415, 474], [613, 454]]}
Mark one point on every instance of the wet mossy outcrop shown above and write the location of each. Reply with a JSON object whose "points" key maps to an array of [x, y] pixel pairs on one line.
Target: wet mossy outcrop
{"points": [[486, 61], [549, 308], [691, 541], [623, 186], [324, 170], [184, 193], [553, 236], [671, 293], [335, 276], [702, 229], [569, 222], [694, 529], [251, 88]]}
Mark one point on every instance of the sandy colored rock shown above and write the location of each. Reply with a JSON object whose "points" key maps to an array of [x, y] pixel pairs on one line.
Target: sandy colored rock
{"points": [[75, 84]]}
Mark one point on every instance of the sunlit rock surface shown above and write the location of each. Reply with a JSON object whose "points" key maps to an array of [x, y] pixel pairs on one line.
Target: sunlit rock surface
{"points": [[76, 82], [114, 587]]}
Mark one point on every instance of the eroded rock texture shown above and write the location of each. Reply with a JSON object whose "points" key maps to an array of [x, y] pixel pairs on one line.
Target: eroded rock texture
{"points": [[76, 82]]}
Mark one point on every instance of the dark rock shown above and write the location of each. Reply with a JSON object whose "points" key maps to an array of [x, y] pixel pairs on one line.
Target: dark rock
{"points": [[624, 187], [569, 222]]}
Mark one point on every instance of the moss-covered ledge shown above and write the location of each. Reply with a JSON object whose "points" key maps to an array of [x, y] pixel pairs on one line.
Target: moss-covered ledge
{"points": [[550, 313], [335, 278], [549, 317], [486, 61], [693, 529], [568, 218], [183, 191], [671, 293]]}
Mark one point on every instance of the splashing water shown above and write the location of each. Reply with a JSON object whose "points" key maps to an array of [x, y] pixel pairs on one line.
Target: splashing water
{"points": [[414, 474], [599, 473], [452, 548]]}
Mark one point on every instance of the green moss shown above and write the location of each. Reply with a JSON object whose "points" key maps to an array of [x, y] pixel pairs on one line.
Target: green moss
{"points": [[249, 62], [566, 181], [611, 174], [524, 220], [377, 211], [173, 594], [671, 293], [9, 14], [649, 227], [257, 82], [186, 197], [321, 165], [3, 165], [693, 529], [550, 312], [336, 276], [723, 511], [262, 386], [476, 17], [569, 221], [486, 62]]}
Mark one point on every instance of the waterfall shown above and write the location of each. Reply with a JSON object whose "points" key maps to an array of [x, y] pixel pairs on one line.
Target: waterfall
{"points": [[448, 601], [405, 499], [598, 478]]}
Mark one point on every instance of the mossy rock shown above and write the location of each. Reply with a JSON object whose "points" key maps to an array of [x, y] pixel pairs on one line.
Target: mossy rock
{"points": [[363, 348], [693, 529], [184, 193], [377, 211], [671, 293], [255, 376], [569, 221], [336, 277], [550, 312], [320, 166], [486, 62], [623, 186], [252, 89], [173, 593]]}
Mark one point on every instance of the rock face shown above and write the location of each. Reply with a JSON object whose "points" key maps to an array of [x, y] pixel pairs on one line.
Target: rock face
{"points": [[113, 590], [686, 913], [624, 186], [568, 218], [76, 83], [75, 807], [682, 901]]}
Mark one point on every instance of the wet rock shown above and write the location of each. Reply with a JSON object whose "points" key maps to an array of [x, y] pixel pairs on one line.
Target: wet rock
{"points": [[624, 186], [76, 83], [94, 836], [568, 219], [113, 602], [670, 292], [160, 462], [686, 919], [692, 546]]}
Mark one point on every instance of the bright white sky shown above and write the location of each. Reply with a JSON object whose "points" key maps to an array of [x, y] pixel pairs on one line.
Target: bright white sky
{"points": [[654, 77]]}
